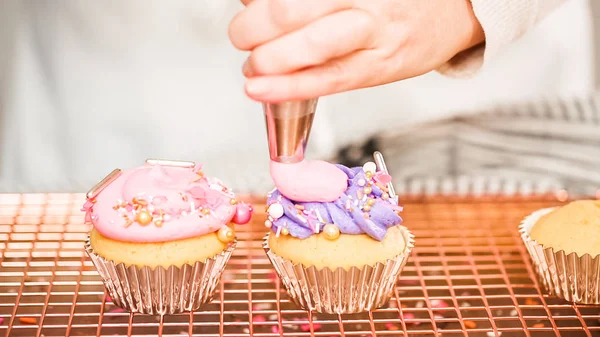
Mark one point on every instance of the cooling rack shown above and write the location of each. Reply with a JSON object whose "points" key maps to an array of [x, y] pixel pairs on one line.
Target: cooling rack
{"points": [[469, 275]]}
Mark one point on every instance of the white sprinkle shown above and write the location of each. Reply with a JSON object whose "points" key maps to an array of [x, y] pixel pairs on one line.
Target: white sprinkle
{"points": [[364, 198], [273, 317], [513, 313], [420, 304], [278, 232], [192, 207], [301, 218], [246, 330], [319, 216], [492, 334], [361, 182], [318, 228]]}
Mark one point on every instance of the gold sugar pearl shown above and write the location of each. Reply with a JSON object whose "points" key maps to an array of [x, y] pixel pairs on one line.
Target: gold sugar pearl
{"points": [[367, 190], [366, 208], [233, 201], [268, 224], [371, 202], [225, 234], [331, 232], [366, 216], [369, 175], [206, 211], [143, 218], [158, 223], [285, 231], [385, 196]]}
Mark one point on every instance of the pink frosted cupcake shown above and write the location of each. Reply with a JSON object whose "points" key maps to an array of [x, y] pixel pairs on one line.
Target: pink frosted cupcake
{"points": [[162, 234]]}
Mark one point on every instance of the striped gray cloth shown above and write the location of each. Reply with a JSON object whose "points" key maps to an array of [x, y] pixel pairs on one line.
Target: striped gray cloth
{"points": [[528, 148]]}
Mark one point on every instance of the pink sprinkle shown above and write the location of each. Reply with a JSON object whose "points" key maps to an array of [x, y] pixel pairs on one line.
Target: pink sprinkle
{"points": [[306, 327], [438, 304], [259, 319], [383, 178], [117, 310], [391, 326], [275, 329], [1, 320], [107, 298], [272, 276], [409, 316]]}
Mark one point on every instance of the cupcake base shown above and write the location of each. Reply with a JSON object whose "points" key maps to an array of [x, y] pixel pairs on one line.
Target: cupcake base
{"points": [[568, 276], [160, 291], [340, 291]]}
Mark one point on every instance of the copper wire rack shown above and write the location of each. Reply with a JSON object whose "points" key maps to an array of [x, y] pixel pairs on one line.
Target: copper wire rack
{"points": [[469, 275]]}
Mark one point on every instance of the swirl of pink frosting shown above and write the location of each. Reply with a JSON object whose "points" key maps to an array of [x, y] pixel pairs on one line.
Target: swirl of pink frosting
{"points": [[157, 203]]}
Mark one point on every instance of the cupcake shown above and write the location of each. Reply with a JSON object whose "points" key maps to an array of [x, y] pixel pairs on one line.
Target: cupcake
{"points": [[344, 255], [162, 234], [564, 244]]}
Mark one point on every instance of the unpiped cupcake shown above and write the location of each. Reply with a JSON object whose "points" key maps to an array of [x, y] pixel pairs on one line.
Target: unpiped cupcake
{"points": [[341, 256], [162, 235], [564, 244]]}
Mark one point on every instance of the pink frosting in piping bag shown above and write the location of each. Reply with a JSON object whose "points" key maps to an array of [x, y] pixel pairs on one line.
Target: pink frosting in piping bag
{"points": [[180, 202], [309, 180]]}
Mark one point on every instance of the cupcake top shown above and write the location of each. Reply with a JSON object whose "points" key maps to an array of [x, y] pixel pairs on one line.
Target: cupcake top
{"points": [[162, 201], [365, 207], [574, 227]]}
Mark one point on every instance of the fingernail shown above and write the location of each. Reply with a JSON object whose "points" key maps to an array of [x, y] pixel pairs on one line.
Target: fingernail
{"points": [[246, 68], [258, 86]]}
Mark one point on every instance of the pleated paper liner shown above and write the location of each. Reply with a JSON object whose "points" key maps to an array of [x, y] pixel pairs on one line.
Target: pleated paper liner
{"points": [[161, 290], [568, 276], [340, 291]]}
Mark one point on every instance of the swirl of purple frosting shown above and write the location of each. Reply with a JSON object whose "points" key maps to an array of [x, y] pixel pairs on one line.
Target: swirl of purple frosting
{"points": [[355, 212]]}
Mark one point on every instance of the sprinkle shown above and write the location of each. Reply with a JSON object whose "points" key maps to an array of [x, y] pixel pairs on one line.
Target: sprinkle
{"points": [[420, 304], [258, 319], [361, 182], [107, 298], [278, 233], [470, 325], [273, 317], [391, 327], [306, 327], [274, 329], [299, 207], [28, 320], [285, 231], [246, 330], [492, 334], [538, 325], [1, 320], [192, 207], [369, 167], [359, 194], [438, 304], [366, 215], [367, 190], [128, 223], [529, 301], [317, 227], [410, 317], [268, 223], [117, 310], [513, 312], [319, 216]]}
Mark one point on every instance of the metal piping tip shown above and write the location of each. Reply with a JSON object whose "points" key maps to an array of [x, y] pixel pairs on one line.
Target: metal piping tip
{"points": [[288, 128]]}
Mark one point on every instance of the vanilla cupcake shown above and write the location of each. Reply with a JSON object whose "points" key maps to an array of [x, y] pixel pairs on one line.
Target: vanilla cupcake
{"points": [[342, 256], [162, 234], [564, 243]]}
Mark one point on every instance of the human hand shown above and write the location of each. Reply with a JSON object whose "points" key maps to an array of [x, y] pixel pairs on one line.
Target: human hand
{"points": [[303, 49]]}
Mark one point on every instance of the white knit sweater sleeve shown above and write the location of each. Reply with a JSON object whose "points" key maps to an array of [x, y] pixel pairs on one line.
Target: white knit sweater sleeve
{"points": [[503, 21]]}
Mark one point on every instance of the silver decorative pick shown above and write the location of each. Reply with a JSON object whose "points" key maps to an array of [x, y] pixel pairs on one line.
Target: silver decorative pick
{"points": [[381, 164], [103, 183], [288, 128], [175, 163]]}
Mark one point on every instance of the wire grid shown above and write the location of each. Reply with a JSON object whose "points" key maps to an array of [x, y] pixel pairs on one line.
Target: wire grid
{"points": [[469, 275]]}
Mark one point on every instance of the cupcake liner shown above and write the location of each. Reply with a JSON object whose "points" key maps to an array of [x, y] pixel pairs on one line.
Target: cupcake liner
{"points": [[568, 276], [340, 291], [161, 291]]}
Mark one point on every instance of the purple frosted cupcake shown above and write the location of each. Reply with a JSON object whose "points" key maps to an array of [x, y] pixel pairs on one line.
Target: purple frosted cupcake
{"points": [[342, 256]]}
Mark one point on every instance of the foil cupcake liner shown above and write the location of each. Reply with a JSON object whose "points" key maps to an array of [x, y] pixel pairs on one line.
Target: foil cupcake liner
{"points": [[340, 291], [568, 276], [161, 291]]}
